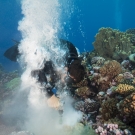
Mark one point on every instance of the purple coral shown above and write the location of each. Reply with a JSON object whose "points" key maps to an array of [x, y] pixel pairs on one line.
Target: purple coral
{"points": [[111, 129]]}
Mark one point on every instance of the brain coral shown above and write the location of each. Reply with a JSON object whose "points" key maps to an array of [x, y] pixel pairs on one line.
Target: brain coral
{"points": [[110, 69], [113, 44]]}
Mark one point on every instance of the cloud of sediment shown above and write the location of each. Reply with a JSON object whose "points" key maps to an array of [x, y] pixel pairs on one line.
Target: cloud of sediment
{"points": [[40, 28]]}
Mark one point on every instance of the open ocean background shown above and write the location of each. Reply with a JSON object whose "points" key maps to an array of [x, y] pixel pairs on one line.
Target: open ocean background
{"points": [[83, 24]]}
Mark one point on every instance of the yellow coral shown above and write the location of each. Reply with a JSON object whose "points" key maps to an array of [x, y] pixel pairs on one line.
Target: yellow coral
{"points": [[125, 89], [110, 69]]}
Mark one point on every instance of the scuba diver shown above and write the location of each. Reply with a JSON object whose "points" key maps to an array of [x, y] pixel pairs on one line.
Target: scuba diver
{"points": [[48, 76]]}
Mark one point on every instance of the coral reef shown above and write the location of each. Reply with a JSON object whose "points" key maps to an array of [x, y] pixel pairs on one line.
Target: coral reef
{"points": [[119, 78], [107, 73], [130, 31], [120, 124], [97, 61], [87, 106], [84, 92], [112, 129], [82, 83], [126, 108], [125, 89], [110, 69], [106, 95], [109, 109], [113, 44]]}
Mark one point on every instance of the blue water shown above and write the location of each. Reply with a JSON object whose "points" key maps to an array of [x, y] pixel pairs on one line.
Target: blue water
{"points": [[81, 28]]}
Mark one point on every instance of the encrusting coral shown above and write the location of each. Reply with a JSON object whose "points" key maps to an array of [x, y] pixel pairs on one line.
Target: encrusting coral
{"points": [[113, 44]]}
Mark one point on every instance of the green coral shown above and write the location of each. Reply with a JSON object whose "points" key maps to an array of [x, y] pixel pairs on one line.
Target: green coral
{"points": [[113, 44], [13, 83]]}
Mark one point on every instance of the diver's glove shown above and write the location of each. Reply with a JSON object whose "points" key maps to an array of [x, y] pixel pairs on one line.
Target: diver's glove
{"points": [[53, 102]]}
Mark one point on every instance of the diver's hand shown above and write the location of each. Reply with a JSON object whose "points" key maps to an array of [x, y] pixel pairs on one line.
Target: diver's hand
{"points": [[53, 101]]}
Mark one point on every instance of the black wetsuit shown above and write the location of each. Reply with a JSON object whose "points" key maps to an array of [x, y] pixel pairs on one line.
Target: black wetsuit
{"points": [[49, 70]]}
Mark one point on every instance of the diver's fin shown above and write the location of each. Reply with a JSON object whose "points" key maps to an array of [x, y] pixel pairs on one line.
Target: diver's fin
{"points": [[12, 53]]}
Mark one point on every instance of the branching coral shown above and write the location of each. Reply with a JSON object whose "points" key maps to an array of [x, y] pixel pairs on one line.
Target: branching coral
{"points": [[87, 106], [97, 61], [105, 78], [109, 109], [120, 124], [126, 108], [119, 78], [82, 83], [113, 44], [110, 69], [84, 92], [131, 31], [125, 89]]}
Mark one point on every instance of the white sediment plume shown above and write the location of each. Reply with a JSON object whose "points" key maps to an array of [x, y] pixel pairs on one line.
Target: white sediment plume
{"points": [[40, 29]]}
